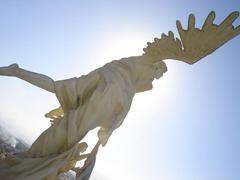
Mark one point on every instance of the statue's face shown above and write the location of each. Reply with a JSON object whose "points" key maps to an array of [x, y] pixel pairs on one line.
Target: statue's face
{"points": [[146, 74], [145, 77], [160, 68]]}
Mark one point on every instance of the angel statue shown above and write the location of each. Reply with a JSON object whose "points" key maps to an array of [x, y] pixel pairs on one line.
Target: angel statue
{"points": [[103, 98]]}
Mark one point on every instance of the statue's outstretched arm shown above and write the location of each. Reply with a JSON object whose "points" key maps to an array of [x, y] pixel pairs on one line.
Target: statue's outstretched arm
{"points": [[36, 79], [194, 43]]}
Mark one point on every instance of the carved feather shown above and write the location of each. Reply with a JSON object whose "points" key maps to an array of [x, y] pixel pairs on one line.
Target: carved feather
{"points": [[194, 43]]}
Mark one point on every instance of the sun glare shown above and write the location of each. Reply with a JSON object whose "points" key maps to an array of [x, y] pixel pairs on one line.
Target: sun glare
{"points": [[123, 44]]}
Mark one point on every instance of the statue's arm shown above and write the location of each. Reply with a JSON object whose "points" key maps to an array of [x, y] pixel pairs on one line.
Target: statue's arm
{"points": [[36, 79]]}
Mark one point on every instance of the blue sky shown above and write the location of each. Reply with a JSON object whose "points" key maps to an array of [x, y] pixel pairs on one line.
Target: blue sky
{"points": [[186, 128]]}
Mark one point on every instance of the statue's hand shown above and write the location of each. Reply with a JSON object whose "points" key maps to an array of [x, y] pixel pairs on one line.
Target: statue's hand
{"points": [[9, 70], [103, 136]]}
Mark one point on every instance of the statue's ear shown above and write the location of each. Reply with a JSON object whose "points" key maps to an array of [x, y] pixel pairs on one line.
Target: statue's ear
{"points": [[137, 80]]}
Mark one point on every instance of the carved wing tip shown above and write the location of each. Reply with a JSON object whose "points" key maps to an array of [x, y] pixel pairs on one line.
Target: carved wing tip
{"points": [[194, 43], [236, 13], [212, 13]]}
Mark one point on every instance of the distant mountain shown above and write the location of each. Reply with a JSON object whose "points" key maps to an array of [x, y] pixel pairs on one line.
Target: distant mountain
{"points": [[11, 144]]}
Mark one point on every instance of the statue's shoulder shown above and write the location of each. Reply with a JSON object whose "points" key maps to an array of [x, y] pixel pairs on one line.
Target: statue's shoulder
{"points": [[126, 62]]}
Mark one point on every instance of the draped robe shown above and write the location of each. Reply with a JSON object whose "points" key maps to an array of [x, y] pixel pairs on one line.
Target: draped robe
{"points": [[100, 99]]}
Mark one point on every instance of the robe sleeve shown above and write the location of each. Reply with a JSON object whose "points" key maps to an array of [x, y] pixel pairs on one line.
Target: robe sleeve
{"points": [[72, 92], [66, 93]]}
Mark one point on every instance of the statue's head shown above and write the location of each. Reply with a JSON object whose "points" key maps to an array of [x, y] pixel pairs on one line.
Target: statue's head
{"points": [[160, 68], [145, 73]]}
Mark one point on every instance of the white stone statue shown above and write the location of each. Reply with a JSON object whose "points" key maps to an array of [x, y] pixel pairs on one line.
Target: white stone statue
{"points": [[103, 98]]}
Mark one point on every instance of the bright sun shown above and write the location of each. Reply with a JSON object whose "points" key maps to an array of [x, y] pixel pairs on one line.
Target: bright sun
{"points": [[123, 44]]}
